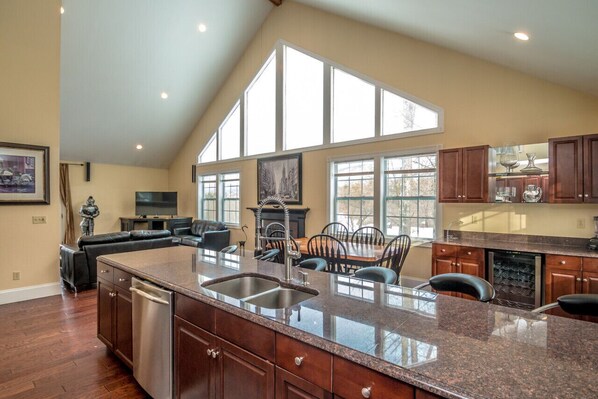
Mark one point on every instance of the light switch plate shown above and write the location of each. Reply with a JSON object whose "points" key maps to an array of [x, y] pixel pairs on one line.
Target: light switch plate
{"points": [[38, 219]]}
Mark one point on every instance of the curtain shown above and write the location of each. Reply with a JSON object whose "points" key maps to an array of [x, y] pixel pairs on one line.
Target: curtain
{"points": [[65, 196]]}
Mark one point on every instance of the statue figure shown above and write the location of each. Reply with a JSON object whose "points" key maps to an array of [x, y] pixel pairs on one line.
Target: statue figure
{"points": [[88, 211]]}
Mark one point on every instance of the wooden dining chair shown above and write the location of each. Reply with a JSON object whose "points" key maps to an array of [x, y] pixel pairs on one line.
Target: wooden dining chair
{"points": [[273, 227], [279, 244], [368, 235], [395, 253], [330, 249], [337, 230]]}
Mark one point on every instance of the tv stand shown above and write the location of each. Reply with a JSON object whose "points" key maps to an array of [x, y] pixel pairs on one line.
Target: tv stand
{"points": [[154, 223]]}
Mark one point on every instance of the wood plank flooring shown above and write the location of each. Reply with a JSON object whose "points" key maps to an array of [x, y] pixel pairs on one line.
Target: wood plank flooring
{"points": [[49, 349]]}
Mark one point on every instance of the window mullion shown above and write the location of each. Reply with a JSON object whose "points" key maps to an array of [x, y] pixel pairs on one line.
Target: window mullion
{"points": [[242, 125], [279, 97], [377, 191], [327, 104], [378, 112]]}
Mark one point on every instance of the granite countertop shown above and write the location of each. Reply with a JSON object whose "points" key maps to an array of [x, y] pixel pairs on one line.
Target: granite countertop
{"points": [[522, 243], [453, 347]]}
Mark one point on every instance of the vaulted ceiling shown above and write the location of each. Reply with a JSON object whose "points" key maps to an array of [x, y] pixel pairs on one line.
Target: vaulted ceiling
{"points": [[118, 57]]}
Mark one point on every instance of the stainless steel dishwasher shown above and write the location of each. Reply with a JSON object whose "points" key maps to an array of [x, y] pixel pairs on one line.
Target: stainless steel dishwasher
{"points": [[152, 338]]}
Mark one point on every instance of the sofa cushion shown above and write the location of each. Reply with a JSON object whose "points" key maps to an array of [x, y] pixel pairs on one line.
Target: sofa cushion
{"points": [[201, 226], [108, 238], [149, 234]]}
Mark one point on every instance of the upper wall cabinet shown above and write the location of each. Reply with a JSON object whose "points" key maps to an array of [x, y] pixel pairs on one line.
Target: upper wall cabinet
{"points": [[574, 169], [463, 175]]}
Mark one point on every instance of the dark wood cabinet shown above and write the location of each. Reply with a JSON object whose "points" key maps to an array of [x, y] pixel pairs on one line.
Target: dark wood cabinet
{"points": [[115, 312], [290, 386], [463, 175], [573, 165], [207, 366], [458, 259], [420, 394]]}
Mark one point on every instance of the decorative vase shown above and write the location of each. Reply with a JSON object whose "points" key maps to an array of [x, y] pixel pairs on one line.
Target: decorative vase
{"points": [[531, 167], [508, 158], [533, 193]]}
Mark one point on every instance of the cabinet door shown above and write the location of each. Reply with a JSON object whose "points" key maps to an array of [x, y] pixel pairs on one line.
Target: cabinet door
{"points": [[290, 386], [105, 313], [443, 265], [590, 163], [450, 175], [420, 394], [560, 282], [590, 282], [475, 174], [242, 375], [566, 170], [193, 370], [123, 326]]}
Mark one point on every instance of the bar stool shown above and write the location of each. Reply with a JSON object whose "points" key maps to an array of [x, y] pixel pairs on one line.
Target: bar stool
{"points": [[475, 286], [231, 249], [377, 274], [317, 264], [575, 304]]}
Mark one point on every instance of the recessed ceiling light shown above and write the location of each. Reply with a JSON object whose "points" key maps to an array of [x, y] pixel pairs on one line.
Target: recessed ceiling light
{"points": [[521, 36], [202, 28], [164, 95], [139, 146], [62, 10]]}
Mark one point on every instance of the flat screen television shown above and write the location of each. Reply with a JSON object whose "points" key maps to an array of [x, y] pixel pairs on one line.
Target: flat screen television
{"points": [[156, 203]]}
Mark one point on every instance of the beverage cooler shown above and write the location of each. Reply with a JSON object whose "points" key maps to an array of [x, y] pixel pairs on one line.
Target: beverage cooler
{"points": [[517, 278]]}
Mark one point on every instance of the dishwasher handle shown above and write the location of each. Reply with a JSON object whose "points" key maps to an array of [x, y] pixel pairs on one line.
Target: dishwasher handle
{"points": [[148, 296]]}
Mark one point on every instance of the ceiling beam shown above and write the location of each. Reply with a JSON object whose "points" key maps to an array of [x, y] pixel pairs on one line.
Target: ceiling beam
{"points": [[276, 2]]}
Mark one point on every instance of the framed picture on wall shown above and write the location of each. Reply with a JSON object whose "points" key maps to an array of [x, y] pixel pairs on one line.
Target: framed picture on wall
{"points": [[24, 174], [280, 176]]}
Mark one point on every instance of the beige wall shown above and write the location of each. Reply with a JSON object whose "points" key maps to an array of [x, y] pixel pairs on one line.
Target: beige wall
{"points": [[483, 103], [30, 114], [113, 187]]}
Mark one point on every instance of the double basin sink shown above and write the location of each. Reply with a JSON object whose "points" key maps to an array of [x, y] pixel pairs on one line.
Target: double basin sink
{"points": [[261, 291]]}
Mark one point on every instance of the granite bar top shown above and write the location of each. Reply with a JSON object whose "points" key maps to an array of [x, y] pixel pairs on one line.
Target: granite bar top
{"points": [[452, 347], [522, 243]]}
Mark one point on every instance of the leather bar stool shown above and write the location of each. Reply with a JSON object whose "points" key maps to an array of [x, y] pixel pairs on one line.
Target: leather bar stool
{"points": [[377, 274], [575, 304], [475, 286], [317, 264], [269, 255], [231, 249]]}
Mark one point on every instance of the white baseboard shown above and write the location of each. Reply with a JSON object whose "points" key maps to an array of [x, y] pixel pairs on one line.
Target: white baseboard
{"points": [[31, 292]]}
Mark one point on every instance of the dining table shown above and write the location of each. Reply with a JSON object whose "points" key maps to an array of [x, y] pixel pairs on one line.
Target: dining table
{"points": [[358, 255]]}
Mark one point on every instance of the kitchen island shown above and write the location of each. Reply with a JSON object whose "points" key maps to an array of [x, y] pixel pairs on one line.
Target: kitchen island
{"points": [[426, 343]]}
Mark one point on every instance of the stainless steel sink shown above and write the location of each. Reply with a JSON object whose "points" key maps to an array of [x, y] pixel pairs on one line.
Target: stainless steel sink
{"points": [[260, 291], [280, 298], [242, 287]]}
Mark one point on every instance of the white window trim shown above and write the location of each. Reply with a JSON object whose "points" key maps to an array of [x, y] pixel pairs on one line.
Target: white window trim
{"points": [[218, 173], [378, 179], [328, 64]]}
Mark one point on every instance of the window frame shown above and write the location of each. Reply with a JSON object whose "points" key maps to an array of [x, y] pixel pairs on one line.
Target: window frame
{"points": [[278, 53], [219, 195], [379, 185]]}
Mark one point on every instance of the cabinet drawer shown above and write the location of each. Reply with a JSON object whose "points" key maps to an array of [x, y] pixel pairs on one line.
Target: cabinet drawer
{"points": [[244, 333], [563, 262], [471, 253], [444, 250], [351, 379], [590, 264], [105, 272], [195, 312], [122, 279], [314, 365]]}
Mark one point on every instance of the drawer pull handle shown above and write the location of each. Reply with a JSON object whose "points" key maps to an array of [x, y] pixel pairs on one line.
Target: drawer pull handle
{"points": [[585, 280], [298, 360], [104, 271], [443, 250], [562, 262], [468, 252], [122, 279], [366, 392], [209, 351], [215, 354], [578, 279], [579, 195], [112, 294], [586, 195]]}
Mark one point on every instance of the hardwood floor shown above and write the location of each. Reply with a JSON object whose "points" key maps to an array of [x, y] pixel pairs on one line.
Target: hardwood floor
{"points": [[49, 349]]}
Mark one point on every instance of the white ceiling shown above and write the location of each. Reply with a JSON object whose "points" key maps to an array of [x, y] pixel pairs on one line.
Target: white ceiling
{"points": [[118, 56]]}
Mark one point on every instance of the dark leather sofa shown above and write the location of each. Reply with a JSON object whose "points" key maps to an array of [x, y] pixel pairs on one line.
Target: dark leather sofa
{"points": [[78, 265], [204, 234]]}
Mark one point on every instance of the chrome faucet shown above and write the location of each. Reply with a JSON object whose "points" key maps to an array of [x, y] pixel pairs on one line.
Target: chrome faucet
{"points": [[289, 254], [448, 229]]}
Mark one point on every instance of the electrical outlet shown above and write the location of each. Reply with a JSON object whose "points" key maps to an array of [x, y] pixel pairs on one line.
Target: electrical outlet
{"points": [[581, 223], [16, 275], [38, 219]]}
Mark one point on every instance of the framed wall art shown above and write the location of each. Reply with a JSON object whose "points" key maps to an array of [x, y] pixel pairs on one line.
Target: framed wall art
{"points": [[24, 174], [280, 176]]}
